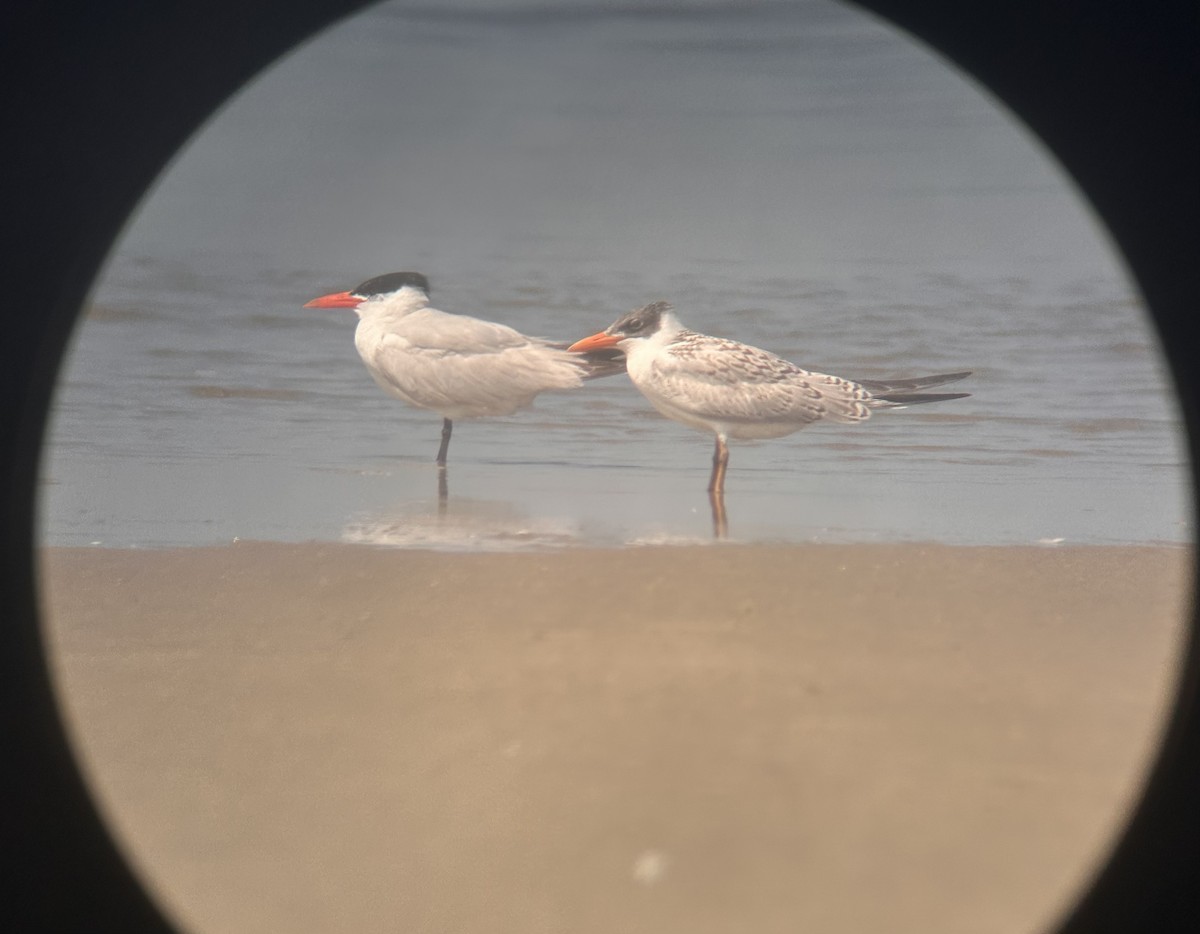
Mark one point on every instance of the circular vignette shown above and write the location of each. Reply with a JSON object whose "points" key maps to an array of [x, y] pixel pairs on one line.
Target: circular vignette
{"points": [[99, 101]]}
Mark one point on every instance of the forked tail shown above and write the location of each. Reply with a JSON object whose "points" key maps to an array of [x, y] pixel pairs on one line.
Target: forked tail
{"points": [[898, 392]]}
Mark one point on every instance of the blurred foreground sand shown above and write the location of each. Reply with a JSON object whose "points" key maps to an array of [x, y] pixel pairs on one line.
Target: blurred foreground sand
{"points": [[858, 738]]}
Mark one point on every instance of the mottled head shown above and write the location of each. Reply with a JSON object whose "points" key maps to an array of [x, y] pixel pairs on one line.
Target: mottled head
{"points": [[642, 322]]}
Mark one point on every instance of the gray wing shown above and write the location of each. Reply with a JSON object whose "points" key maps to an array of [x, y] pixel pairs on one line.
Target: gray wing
{"points": [[432, 330], [439, 331], [465, 367]]}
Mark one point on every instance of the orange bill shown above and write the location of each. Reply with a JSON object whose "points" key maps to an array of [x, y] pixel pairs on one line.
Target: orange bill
{"points": [[601, 341], [335, 300]]}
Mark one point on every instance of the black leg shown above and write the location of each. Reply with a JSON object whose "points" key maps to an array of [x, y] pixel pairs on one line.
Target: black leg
{"points": [[447, 427]]}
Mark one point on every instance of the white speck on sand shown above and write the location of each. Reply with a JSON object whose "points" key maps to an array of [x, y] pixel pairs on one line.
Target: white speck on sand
{"points": [[649, 867]]}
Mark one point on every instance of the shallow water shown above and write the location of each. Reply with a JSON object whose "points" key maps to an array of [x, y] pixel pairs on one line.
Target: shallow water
{"points": [[796, 176]]}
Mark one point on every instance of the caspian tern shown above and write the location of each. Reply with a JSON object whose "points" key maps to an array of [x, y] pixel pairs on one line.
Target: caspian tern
{"points": [[454, 365], [737, 391]]}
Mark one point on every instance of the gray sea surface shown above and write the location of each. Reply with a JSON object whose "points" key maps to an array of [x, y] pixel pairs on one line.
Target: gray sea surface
{"points": [[799, 176]]}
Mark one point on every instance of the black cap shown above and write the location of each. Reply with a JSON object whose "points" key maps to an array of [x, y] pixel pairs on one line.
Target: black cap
{"points": [[392, 282]]}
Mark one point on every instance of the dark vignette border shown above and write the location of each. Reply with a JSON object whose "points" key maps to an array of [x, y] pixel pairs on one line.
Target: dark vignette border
{"points": [[97, 97]]}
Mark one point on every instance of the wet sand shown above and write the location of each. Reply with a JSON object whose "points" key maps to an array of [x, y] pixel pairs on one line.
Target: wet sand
{"points": [[857, 738]]}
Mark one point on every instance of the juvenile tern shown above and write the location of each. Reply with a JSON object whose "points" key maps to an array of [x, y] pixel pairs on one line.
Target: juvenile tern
{"points": [[734, 390]]}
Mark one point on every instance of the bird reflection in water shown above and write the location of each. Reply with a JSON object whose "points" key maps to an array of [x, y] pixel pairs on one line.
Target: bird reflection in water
{"points": [[443, 490], [466, 524]]}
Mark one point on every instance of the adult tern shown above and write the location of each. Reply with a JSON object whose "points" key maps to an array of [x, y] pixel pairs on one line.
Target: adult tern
{"points": [[454, 365]]}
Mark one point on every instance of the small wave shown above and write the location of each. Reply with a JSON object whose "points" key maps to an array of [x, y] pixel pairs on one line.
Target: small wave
{"points": [[114, 313], [1097, 426], [244, 392]]}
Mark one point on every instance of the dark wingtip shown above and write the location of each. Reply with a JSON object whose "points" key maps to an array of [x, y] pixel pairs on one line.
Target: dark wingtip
{"points": [[879, 387], [595, 363], [598, 363], [918, 398]]}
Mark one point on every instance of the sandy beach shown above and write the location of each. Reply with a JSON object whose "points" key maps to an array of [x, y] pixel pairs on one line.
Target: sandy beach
{"points": [[856, 738]]}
